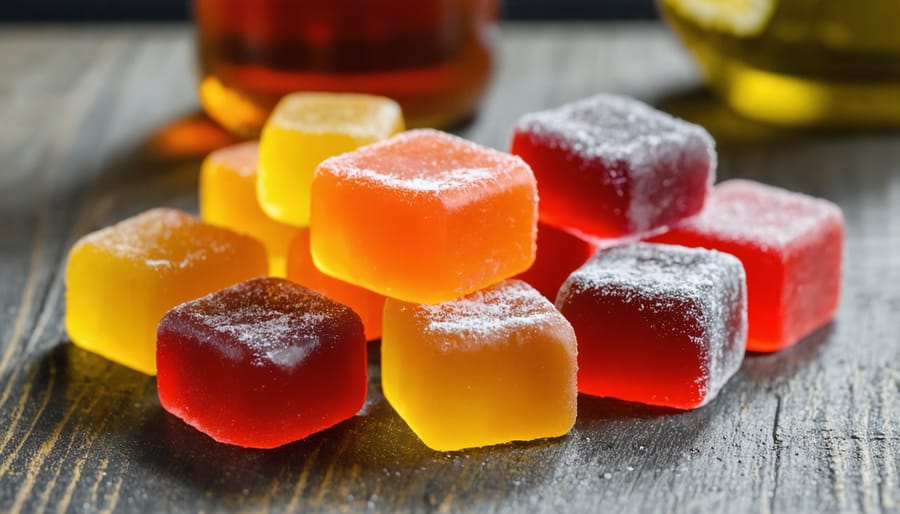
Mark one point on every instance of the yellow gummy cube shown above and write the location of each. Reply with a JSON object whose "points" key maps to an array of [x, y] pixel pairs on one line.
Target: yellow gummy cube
{"points": [[228, 199], [495, 366], [305, 129], [121, 280]]}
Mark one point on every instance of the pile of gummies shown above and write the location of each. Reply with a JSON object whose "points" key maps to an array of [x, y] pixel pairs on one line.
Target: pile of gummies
{"points": [[633, 277]]}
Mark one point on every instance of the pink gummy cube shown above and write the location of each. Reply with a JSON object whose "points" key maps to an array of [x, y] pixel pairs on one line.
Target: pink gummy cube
{"points": [[611, 166], [790, 245], [657, 324]]}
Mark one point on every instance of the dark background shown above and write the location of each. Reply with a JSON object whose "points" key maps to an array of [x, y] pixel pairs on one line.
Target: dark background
{"points": [[168, 10]]}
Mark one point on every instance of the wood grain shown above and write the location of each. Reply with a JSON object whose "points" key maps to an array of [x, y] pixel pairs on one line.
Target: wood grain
{"points": [[85, 114]]}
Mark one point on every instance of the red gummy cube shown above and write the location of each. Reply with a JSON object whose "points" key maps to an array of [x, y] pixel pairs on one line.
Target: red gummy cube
{"points": [[558, 254], [657, 324], [791, 247], [262, 363], [611, 166]]}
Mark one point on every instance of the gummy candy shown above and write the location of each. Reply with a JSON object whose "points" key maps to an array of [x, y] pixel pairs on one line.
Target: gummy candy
{"points": [[300, 269], [559, 253], [262, 363], [790, 245], [495, 366], [228, 199], [304, 129], [657, 324], [610, 166], [423, 217], [122, 279]]}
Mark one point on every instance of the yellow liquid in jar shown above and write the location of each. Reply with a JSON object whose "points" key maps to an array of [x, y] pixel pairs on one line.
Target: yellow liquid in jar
{"points": [[797, 62]]}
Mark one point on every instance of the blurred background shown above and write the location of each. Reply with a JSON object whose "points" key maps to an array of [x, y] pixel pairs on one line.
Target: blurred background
{"points": [[156, 10], [793, 63]]}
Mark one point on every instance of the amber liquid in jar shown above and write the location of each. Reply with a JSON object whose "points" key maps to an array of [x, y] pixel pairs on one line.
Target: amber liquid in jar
{"points": [[432, 56], [803, 63]]}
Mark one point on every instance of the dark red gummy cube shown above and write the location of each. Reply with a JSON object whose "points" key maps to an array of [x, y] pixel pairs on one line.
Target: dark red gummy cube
{"points": [[657, 324], [558, 254], [610, 166], [791, 247], [262, 363]]}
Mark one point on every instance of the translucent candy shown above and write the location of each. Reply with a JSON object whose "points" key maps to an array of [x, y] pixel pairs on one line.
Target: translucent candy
{"points": [[262, 363], [657, 324], [424, 217], [228, 199], [558, 254], [610, 166], [790, 245], [300, 269], [306, 128], [498, 365], [122, 279]]}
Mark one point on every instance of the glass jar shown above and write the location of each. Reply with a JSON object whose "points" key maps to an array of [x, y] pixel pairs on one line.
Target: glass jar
{"points": [[797, 62], [432, 56]]}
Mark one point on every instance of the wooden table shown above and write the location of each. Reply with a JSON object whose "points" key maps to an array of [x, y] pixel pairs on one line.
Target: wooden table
{"points": [[98, 123]]}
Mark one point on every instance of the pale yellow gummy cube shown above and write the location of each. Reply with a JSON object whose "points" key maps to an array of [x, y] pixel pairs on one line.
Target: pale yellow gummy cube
{"points": [[121, 280], [228, 199], [305, 129]]}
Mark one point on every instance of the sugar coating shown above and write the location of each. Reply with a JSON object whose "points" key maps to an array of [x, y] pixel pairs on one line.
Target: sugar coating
{"points": [[430, 161], [666, 275], [495, 366], [261, 363], [356, 115], [266, 321], [746, 211], [633, 147], [791, 245], [484, 316], [424, 217], [163, 238], [240, 159], [615, 128]]}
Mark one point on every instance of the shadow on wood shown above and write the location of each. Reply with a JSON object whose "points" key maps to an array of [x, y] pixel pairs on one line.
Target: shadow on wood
{"points": [[595, 408], [765, 368], [91, 404]]}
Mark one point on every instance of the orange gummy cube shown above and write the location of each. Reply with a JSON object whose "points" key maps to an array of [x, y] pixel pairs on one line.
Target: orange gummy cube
{"points": [[423, 217], [302, 270], [228, 199], [495, 366], [121, 280]]}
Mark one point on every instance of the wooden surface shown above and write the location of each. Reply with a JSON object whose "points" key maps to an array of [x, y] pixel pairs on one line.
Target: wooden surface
{"points": [[96, 124]]}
